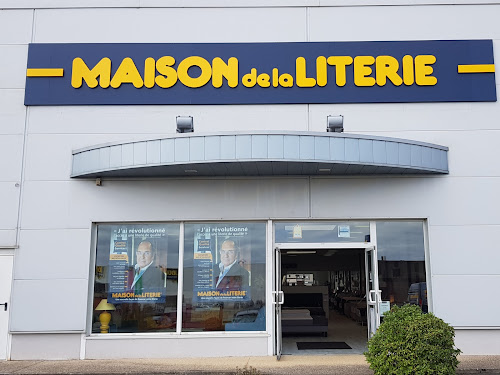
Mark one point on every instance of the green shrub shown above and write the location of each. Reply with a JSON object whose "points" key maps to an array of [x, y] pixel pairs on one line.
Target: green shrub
{"points": [[410, 342]]}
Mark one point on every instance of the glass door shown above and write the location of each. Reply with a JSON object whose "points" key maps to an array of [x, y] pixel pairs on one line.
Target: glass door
{"points": [[373, 294], [278, 300], [6, 263]]}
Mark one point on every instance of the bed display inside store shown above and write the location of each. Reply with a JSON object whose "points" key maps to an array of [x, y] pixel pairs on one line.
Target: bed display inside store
{"points": [[227, 190]]}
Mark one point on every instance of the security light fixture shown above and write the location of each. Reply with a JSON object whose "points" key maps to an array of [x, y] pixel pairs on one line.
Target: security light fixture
{"points": [[184, 124], [335, 124]]}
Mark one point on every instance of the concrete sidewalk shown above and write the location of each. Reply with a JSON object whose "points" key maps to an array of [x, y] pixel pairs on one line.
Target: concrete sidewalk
{"points": [[289, 365]]}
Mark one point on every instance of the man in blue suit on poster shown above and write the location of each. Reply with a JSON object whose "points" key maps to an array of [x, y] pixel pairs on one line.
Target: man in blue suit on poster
{"points": [[147, 276], [232, 276]]}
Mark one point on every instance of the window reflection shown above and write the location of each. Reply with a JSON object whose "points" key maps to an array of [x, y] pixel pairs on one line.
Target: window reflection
{"points": [[224, 277], [136, 272], [401, 262]]}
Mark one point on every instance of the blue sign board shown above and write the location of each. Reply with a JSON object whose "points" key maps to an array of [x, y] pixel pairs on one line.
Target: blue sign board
{"points": [[260, 73]]}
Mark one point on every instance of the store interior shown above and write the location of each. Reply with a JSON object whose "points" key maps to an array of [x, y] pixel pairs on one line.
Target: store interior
{"points": [[324, 309]]}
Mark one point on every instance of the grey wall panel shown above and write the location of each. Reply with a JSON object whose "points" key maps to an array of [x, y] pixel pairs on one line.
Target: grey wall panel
{"points": [[127, 154], [291, 147], [147, 121], [115, 158], [451, 291], [50, 4], [380, 23], [74, 204], [321, 148], [478, 342], [352, 150], [140, 153], [53, 254], [228, 147], [337, 149], [9, 200], [416, 156], [105, 157], [163, 25], [46, 296], [15, 26], [275, 146], [13, 66], [11, 155], [366, 150], [464, 249], [181, 146], [259, 146], [382, 118], [196, 149], [447, 201], [45, 346], [154, 152], [306, 144], [8, 237], [167, 151], [12, 111], [243, 147], [170, 347], [212, 147]]}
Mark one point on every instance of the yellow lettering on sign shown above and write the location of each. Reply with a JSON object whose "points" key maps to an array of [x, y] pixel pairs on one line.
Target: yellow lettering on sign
{"points": [[250, 79], [321, 72], [127, 73], [286, 80], [300, 74], [186, 79], [149, 72], [340, 63], [168, 76], [362, 71], [81, 72], [263, 80], [275, 77], [386, 67], [367, 71], [408, 70], [229, 71], [423, 71]]}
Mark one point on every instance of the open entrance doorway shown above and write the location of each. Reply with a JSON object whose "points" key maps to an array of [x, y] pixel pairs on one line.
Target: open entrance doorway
{"points": [[327, 300]]}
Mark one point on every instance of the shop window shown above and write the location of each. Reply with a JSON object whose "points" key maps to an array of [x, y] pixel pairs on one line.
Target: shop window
{"points": [[224, 277], [136, 274], [401, 262], [320, 232]]}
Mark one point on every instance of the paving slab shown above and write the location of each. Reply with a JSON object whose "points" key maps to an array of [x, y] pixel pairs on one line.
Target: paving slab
{"points": [[288, 365]]}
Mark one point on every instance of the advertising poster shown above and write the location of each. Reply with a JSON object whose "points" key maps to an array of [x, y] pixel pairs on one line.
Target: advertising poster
{"points": [[222, 263], [137, 264]]}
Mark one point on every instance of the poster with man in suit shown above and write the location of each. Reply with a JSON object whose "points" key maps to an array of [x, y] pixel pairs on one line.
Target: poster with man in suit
{"points": [[222, 264]]}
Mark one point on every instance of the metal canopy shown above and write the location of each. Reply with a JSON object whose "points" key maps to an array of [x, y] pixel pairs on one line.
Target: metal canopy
{"points": [[260, 154]]}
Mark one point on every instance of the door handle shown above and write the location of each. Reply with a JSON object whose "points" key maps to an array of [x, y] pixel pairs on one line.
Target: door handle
{"points": [[372, 297], [281, 297], [4, 306]]}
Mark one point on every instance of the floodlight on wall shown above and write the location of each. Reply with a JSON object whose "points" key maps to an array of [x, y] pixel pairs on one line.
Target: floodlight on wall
{"points": [[184, 124], [335, 124]]}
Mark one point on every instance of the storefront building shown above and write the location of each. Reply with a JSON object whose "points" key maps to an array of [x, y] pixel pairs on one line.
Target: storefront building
{"points": [[213, 179]]}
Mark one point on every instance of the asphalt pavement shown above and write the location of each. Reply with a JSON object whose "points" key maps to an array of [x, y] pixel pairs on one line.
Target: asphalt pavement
{"points": [[288, 365]]}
